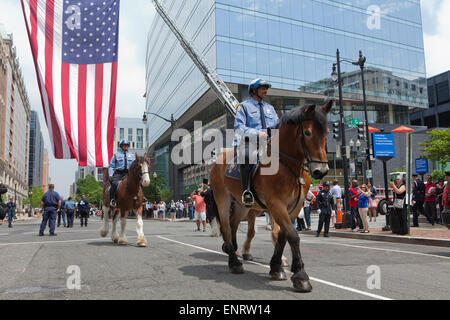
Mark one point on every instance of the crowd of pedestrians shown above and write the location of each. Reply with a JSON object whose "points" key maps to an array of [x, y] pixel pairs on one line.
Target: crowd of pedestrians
{"points": [[197, 207]]}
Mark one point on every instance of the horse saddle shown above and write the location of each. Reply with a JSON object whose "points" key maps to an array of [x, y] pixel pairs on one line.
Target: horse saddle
{"points": [[233, 171]]}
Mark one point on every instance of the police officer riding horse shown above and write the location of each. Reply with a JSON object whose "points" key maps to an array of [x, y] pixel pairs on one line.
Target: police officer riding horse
{"points": [[118, 168], [253, 117]]}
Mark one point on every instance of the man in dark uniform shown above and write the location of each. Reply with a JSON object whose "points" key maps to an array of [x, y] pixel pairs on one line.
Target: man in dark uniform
{"points": [[83, 207], [325, 203], [51, 204]]}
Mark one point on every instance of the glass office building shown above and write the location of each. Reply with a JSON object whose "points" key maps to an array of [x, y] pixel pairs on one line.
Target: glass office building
{"points": [[292, 44]]}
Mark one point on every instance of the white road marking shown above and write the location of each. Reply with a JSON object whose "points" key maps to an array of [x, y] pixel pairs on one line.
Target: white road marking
{"points": [[379, 249], [368, 294], [54, 242]]}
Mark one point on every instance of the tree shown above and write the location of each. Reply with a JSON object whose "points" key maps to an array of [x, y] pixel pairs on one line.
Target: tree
{"points": [[437, 148], [91, 188], [166, 194], [149, 192], [36, 197]]}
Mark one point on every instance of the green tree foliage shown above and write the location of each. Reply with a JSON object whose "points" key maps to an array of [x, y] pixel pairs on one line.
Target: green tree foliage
{"points": [[91, 188], [438, 174], [166, 195], [149, 192], [36, 197], [437, 148]]}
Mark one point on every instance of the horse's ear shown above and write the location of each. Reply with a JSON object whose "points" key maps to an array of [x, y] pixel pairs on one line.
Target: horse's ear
{"points": [[310, 110], [328, 106], [137, 157]]}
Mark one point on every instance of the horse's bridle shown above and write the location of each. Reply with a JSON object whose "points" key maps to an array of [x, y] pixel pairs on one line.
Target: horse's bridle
{"points": [[306, 154]]}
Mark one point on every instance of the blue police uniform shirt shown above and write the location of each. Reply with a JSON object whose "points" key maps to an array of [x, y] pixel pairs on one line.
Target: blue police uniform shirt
{"points": [[50, 199], [118, 162], [248, 118], [70, 205]]}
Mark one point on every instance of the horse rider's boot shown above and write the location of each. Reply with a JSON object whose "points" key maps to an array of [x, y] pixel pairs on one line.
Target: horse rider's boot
{"points": [[247, 196], [112, 196]]}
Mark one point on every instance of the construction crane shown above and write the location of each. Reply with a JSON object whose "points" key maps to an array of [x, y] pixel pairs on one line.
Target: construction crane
{"points": [[212, 78]]}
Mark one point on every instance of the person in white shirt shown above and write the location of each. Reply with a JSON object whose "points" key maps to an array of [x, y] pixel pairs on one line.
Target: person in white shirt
{"points": [[336, 191], [310, 198]]}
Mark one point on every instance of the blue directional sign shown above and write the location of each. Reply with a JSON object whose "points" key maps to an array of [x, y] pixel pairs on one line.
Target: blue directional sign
{"points": [[383, 145], [421, 166]]}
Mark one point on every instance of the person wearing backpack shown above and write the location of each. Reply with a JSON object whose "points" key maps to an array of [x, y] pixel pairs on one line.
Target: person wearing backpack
{"points": [[418, 199], [83, 207]]}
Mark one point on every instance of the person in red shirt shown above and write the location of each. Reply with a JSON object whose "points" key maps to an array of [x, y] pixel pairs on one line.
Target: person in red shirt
{"points": [[353, 195], [200, 209], [430, 200]]}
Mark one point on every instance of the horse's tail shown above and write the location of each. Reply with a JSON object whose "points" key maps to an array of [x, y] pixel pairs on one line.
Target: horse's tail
{"points": [[105, 177], [214, 210]]}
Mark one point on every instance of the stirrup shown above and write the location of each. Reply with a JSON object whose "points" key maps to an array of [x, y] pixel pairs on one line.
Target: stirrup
{"points": [[112, 203], [247, 198]]}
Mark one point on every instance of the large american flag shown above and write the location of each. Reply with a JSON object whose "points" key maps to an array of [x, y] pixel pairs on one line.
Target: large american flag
{"points": [[75, 46]]}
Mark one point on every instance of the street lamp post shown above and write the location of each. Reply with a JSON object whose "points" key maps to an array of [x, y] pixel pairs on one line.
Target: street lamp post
{"points": [[172, 125], [155, 175], [341, 115], [361, 62], [30, 197]]}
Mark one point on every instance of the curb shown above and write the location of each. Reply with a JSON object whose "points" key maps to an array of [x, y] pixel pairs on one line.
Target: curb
{"points": [[388, 238]]}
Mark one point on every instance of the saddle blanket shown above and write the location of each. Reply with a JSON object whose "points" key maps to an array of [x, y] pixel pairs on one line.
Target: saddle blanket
{"points": [[232, 171]]}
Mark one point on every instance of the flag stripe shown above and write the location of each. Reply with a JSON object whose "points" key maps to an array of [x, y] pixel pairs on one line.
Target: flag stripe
{"points": [[49, 18], [107, 70], [98, 114], [112, 110], [82, 151], [73, 97], [90, 115], [65, 101]]}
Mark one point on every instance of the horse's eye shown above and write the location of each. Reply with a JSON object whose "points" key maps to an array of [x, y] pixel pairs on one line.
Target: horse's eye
{"points": [[308, 133]]}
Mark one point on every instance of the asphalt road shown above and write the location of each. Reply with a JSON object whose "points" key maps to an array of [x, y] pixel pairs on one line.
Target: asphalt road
{"points": [[182, 264]]}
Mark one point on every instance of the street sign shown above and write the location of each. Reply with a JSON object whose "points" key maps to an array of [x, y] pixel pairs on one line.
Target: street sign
{"points": [[369, 174], [383, 145], [421, 166], [354, 123]]}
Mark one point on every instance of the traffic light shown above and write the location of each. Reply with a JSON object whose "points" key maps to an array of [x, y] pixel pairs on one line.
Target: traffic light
{"points": [[361, 131], [337, 130]]}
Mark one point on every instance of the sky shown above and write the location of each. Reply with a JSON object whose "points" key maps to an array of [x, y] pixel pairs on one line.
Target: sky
{"points": [[136, 17]]}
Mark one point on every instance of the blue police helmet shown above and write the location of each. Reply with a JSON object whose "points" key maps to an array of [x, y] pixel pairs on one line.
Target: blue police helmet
{"points": [[255, 84], [124, 142]]}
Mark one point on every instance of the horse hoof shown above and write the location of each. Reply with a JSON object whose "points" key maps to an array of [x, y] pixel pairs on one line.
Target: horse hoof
{"points": [[103, 233], [142, 242], [237, 269], [301, 283], [123, 242], [115, 240], [247, 257], [278, 276]]}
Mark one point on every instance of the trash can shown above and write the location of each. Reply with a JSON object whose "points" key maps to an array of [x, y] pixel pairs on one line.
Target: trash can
{"points": [[446, 218]]}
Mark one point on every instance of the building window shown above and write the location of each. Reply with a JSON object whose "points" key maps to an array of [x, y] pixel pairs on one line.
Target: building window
{"points": [[122, 133], [140, 138], [130, 134]]}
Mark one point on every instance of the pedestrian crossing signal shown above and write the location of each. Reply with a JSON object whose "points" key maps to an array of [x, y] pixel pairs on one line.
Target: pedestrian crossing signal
{"points": [[337, 130], [361, 131]]}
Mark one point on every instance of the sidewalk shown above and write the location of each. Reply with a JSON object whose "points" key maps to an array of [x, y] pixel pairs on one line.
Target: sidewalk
{"points": [[426, 234], [21, 218]]}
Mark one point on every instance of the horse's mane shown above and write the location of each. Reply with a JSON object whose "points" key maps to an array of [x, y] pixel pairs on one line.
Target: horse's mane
{"points": [[297, 115]]}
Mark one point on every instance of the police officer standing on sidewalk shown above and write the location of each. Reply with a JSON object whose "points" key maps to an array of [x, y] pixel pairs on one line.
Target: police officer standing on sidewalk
{"points": [[325, 202], [51, 204]]}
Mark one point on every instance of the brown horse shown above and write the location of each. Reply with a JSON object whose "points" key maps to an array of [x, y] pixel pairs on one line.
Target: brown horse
{"points": [[129, 197], [302, 136]]}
